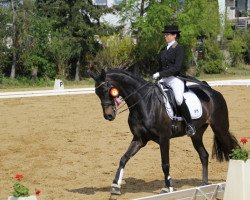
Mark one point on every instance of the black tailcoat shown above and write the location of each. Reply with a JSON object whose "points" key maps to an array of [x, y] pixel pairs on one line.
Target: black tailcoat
{"points": [[171, 60]]}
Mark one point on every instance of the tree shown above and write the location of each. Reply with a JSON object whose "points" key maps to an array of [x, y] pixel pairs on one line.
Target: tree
{"points": [[62, 50], [213, 59], [196, 22], [36, 55], [117, 52], [236, 49], [6, 42], [76, 23], [18, 29], [246, 38], [50, 37], [193, 17]]}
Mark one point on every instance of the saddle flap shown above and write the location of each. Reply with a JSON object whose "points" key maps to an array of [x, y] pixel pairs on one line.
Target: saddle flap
{"points": [[192, 101], [194, 104]]}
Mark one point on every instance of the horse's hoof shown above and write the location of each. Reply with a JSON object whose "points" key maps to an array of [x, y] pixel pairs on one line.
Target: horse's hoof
{"points": [[115, 190], [164, 190], [167, 190], [204, 183]]}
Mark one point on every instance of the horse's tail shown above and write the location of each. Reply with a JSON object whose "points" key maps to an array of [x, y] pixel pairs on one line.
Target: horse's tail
{"points": [[224, 141], [222, 151]]}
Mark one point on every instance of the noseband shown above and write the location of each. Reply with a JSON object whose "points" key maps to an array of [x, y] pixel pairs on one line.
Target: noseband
{"points": [[107, 103]]}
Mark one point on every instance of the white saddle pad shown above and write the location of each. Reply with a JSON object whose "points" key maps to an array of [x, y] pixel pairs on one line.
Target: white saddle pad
{"points": [[192, 101]]}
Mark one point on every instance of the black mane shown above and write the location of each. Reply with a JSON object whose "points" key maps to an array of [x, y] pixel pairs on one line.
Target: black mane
{"points": [[127, 75]]}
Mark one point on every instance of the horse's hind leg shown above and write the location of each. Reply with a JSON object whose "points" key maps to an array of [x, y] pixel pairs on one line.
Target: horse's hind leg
{"points": [[203, 154], [133, 148]]}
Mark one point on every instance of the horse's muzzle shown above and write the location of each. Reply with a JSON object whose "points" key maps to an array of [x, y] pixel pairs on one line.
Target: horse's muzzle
{"points": [[109, 117], [109, 113]]}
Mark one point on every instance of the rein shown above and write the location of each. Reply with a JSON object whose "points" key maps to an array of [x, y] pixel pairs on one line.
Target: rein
{"points": [[123, 99], [130, 96]]}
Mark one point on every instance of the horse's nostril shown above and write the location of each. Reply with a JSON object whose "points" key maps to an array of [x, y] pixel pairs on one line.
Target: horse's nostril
{"points": [[109, 117]]}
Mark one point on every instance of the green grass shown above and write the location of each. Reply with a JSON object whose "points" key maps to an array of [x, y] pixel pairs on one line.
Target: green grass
{"points": [[231, 73], [27, 84]]}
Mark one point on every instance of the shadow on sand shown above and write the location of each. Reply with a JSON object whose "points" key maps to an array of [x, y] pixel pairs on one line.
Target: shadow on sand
{"points": [[133, 185]]}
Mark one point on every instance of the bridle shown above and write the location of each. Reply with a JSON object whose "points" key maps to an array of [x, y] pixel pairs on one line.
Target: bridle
{"points": [[105, 103], [109, 103]]}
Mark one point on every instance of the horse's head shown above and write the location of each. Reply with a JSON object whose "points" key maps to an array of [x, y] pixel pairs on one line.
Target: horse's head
{"points": [[106, 92]]}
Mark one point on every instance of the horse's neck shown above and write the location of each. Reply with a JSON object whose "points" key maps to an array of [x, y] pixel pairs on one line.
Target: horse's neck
{"points": [[130, 89]]}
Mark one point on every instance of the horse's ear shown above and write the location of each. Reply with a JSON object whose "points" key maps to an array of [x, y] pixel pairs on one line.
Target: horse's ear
{"points": [[103, 75], [96, 75], [93, 73]]}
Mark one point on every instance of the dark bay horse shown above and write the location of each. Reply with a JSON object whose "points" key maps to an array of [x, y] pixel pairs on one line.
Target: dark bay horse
{"points": [[148, 120]]}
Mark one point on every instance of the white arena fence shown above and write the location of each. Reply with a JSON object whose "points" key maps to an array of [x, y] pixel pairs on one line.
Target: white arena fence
{"points": [[5, 95], [208, 192], [39, 93]]}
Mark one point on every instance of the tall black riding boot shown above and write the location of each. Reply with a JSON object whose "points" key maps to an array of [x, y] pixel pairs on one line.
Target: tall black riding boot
{"points": [[190, 130]]}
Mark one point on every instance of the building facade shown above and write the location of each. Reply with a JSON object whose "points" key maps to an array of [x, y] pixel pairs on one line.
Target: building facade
{"points": [[108, 3], [238, 11], [237, 8]]}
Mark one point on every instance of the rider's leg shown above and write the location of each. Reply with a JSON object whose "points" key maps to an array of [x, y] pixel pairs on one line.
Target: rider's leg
{"points": [[177, 86], [190, 130]]}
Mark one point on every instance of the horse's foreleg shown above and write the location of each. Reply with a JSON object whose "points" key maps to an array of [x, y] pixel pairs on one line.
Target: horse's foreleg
{"points": [[164, 147], [133, 148]]}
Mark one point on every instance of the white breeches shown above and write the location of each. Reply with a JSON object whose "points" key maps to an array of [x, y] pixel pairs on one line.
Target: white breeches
{"points": [[177, 86]]}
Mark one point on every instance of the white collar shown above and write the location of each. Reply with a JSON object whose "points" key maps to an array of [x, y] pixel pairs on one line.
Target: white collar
{"points": [[170, 44]]}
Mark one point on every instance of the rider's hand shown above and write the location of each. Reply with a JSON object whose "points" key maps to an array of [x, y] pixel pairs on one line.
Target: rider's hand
{"points": [[156, 75]]}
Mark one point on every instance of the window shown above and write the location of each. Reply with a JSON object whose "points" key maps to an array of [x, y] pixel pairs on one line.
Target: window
{"points": [[117, 1], [100, 2]]}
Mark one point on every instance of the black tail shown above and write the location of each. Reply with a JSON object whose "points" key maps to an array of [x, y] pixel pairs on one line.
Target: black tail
{"points": [[224, 141], [223, 150]]}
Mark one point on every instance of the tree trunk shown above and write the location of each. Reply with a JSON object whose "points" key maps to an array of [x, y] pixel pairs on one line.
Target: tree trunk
{"points": [[142, 8], [77, 78], [78, 66], [14, 42], [61, 67], [13, 66], [34, 72]]}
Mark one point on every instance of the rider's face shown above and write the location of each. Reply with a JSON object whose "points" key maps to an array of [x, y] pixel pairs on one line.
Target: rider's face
{"points": [[169, 37]]}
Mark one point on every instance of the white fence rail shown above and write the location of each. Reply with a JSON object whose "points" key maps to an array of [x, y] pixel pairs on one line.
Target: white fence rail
{"points": [[4, 95], [209, 192], [245, 82]]}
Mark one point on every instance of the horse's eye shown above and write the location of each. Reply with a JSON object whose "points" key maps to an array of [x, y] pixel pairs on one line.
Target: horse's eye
{"points": [[114, 92]]}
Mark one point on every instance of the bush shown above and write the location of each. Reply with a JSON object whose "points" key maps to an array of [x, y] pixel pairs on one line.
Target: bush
{"points": [[236, 49], [246, 38], [213, 59], [213, 67], [44, 67]]}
